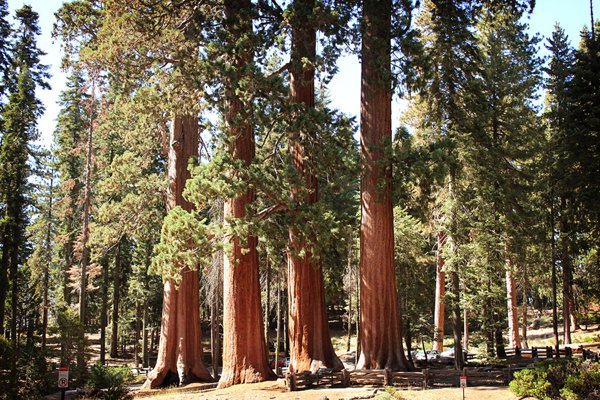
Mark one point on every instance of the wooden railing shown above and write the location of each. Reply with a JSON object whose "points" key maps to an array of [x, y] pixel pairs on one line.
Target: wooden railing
{"points": [[385, 377], [538, 353]]}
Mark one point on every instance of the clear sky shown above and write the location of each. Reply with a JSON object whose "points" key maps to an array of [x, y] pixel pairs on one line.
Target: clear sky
{"points": [[345, 87]]}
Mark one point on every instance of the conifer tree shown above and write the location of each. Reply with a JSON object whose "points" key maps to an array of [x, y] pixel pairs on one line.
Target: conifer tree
{"points": [[19, 130], [557, 114], [502, 144], [310, 343], [5, 56], [381, 339]]}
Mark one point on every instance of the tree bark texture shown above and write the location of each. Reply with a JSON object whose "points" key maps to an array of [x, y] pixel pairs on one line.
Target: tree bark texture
{"points": [[104, 313], [180, 355], [85, 231], [440, 292], [566, 271], [310, 341], [380, 338], [514, 339], [244, 347], [114, 334]]}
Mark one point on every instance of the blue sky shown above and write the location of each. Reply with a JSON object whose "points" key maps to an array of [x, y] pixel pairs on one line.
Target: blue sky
{"points": [[345, 87]]}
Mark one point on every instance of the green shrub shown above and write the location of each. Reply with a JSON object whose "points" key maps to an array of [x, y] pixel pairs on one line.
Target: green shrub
{"points": [[110, 383], [531, 383], [559, 379]]}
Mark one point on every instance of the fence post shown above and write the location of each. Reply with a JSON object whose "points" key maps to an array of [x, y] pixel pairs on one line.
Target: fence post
{"points": [[518, 352], [568, 352], [290, 381], [426, 378], [534, 352], [550, 353], [387, 377], [345, 378]]}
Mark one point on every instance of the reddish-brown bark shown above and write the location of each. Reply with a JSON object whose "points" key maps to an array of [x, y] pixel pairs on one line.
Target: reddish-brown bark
{"points": [[244, 347], [514, 340], [180, 355], [440, 292], [380, 338], [310, 341]]}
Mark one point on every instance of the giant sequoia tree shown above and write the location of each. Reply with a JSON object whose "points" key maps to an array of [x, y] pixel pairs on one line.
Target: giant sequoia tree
{"points": [[244, 347], [380, 339], [180, 350], [310, 343]]}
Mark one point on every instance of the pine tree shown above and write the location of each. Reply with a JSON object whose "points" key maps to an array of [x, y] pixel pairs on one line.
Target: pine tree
{"points": [[71, 128], [5, 56], [19, 130], [557, 114], [502, 144]]}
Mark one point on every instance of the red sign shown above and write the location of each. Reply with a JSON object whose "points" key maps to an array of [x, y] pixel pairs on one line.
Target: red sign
{"points": [[63, 377]]}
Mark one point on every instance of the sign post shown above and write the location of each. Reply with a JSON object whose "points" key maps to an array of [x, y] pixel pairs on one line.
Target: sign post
{"points": [[463, 384], [63, 381]]}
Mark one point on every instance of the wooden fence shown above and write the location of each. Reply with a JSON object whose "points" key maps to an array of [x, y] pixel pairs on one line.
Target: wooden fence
{"points": [[538, 353], [384, 377]]}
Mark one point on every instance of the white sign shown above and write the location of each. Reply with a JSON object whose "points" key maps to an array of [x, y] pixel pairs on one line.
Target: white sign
{"points": [[463, 381], [63, 377]]}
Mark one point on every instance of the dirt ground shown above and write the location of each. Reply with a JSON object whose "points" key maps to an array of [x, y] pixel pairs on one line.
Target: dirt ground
{"points": [[276, 391]]}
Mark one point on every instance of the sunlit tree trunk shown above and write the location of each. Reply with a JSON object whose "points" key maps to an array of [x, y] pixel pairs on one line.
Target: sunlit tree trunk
{"points": [[380, 339], [244, 347], [310, 342], [440, 291], [180, 356], [114, 334], [514, 340]]}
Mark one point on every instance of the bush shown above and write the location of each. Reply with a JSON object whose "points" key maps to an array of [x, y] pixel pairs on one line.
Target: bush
{"points": [[110, 382], [559, 379], [34, 381]]}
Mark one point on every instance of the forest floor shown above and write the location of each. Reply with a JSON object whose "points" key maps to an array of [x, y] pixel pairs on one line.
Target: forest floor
{"points": [[277, 391]]}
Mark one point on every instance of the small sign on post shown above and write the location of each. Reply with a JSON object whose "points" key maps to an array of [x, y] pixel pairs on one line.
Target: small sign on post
{"points": [[63, 381], [463, 384], [63, 377]]}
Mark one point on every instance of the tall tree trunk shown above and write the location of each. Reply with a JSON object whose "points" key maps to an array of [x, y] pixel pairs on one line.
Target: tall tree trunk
{"points": [[85, 231], [440, 292], [114, 335], [459, 361], [244, 348], [267, 298], [215, 342], [381, 339], [514, 340], [465, 330], [525, 303], [310, 341], [566, 269], [278, 343], [46, 277], [554, 277], [4, 277], [104, 313], [145, 352], [180, 356]]}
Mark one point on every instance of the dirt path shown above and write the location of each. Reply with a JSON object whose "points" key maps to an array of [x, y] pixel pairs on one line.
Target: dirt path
{"points": [[276, 391]]}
